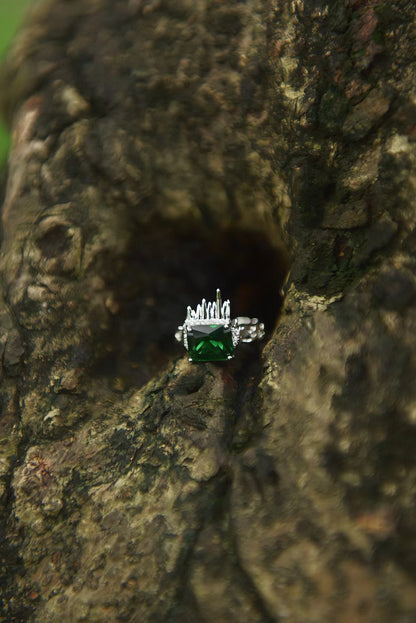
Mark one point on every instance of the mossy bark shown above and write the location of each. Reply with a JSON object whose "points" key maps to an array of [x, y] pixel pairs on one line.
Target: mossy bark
{"points": [[161, 149]]}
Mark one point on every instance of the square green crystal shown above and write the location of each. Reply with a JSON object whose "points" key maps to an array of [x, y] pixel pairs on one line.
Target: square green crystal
{"points": [[210, 342]]}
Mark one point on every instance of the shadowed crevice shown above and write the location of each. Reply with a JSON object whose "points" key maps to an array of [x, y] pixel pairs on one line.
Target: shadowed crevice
{"points": [[172, 265]]}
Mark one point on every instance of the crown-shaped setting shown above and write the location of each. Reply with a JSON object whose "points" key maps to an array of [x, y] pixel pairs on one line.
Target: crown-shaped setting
{"points": [[207, 312], [209, 334]]}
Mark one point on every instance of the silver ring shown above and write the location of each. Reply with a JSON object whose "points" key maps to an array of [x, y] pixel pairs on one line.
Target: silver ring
{"points": [[209, 334]]}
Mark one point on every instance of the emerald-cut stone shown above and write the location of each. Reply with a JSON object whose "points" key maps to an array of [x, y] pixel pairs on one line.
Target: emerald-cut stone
{"points": [[210, 342]]}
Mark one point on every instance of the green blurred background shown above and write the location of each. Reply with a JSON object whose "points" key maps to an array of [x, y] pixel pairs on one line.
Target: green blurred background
{"points": [[11, 14]]}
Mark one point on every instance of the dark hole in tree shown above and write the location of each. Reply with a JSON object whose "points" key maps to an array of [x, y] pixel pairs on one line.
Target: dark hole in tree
{"points": [[170, 266], [54, 241]]}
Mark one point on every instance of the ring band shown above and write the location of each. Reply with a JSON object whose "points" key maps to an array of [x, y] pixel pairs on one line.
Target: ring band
{"points": [[209, 334]]}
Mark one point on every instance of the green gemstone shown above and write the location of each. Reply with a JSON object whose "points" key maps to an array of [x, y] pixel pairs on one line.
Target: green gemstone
{"points": [[210, 342]]}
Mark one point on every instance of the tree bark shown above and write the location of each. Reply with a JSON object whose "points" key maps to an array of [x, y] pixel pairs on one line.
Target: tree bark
{"points": [[161, 149]]}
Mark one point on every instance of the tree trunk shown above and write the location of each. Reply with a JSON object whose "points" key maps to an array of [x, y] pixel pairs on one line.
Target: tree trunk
{"points": [[162, 149]]}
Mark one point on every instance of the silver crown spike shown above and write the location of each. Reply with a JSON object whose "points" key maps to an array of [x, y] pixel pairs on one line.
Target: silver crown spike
{"points": [[218, 304]]}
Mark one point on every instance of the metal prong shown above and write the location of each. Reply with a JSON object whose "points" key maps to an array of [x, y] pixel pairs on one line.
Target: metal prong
{"points": [[225, 310], [218, 304]]}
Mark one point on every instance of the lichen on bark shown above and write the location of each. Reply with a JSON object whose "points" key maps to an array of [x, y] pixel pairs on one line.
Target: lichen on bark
{"points": [[160, 150]]}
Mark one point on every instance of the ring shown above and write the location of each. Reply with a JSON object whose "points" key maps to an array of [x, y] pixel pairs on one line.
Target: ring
{"points": [[209, 334]]}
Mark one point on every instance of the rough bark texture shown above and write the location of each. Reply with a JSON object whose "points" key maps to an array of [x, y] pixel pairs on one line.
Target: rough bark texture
{"points": [[163, 148]]}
